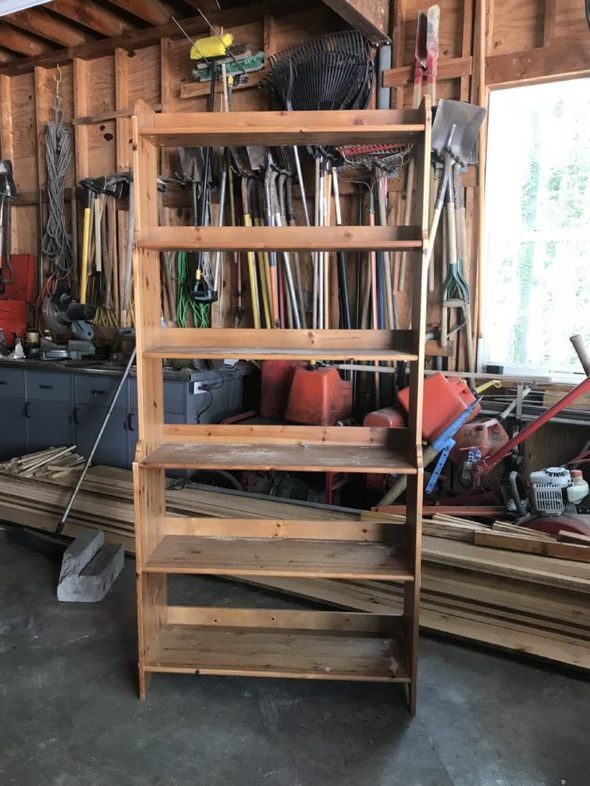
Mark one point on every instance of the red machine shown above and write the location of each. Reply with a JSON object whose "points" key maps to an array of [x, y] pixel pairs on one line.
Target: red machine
{"points": [[18, 291], [444, 400]]}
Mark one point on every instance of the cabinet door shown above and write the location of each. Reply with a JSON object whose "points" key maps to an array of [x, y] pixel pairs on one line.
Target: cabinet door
{"points": [[13, 427], [112, 448], [49, 424]]}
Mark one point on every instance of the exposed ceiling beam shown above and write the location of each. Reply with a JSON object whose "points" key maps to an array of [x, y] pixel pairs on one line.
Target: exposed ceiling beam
{"points": [[19, 42], [6, 56], [154, 12], [47, 26], [90, 15], [231, 17], [371, 17]]}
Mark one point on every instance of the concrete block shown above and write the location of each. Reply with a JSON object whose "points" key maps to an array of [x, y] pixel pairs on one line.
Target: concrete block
{"points": [[89, 568]]}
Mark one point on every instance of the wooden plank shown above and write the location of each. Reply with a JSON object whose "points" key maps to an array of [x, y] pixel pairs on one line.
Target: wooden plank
{"points": [[531, 546], [20, 42], [93, 16], [287, 344], [529, 567], [455, 68], [297, 457], [81, 108], [303, 436], [155, 12], [371, 17], [309, 645], [388, 126], [294, 238], [225, 556], [6, 132], [563, 59], [377, 531], [38, 21]]}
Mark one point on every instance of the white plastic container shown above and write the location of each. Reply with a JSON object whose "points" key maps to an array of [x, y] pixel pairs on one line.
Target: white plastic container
{"points": [[579, 488]]}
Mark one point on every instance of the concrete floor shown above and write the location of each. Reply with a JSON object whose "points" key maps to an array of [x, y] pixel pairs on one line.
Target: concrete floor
{"points": [[69, 713]]}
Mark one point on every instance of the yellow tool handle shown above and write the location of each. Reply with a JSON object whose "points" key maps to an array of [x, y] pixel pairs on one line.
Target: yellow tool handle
{"points": [[493, 383], [253, 278], [85, 255]]}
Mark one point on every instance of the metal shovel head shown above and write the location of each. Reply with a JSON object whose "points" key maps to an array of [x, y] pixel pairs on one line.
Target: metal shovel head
{"points": [[7, 184], [455, 129], [191, 163]]}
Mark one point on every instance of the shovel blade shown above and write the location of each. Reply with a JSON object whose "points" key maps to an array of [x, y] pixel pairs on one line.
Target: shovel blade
{"points": [[455, 129]]}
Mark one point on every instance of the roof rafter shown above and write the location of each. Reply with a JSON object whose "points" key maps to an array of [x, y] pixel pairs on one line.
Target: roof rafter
{"points": [[43, 24], [154, 12], [89, 14], [17, 41]]}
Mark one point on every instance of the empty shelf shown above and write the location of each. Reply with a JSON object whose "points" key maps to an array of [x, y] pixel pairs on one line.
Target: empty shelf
{"points": [[230, 238], [209, 454], [354, 126], [225, 556], [289, 344], [310, 654]]}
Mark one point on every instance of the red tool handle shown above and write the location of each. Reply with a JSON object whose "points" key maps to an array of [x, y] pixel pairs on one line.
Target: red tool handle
{"points": [[487, 464]]}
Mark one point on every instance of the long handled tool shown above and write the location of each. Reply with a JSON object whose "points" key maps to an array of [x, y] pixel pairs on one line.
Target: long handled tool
{"points": [[87, 555]]}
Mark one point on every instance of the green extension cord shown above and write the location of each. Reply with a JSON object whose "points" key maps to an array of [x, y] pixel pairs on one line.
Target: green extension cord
{"points": [[187, 309]]}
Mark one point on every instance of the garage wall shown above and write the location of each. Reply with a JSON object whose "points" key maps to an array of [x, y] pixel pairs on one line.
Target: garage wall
{"points": [[483, 44]]}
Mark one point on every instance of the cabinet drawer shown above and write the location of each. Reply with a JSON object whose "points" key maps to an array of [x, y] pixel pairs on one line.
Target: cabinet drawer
{"points": [[42, 386], [99, 390], [174, 396], [12, 382]]}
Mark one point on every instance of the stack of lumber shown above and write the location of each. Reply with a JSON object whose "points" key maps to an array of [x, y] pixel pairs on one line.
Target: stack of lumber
{"points": [[50, 463], [500, 585]]}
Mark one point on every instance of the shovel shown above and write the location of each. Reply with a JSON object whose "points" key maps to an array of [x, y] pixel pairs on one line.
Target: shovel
{"points": [[454, 137]]}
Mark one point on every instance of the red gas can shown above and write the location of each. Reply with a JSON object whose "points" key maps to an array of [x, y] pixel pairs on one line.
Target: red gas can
{"points": [[20, 285], [388, 417], [444, 400], [487, 435], [319, 397], [13, 319], [275, 384]]}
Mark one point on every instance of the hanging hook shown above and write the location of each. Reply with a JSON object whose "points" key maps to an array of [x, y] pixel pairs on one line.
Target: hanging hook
{"points": [[57, 108]]}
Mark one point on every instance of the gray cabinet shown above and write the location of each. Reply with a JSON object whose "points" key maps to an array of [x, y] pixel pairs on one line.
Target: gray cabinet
{"points": [[13, 431], [48, 410], [94, 394], [13, 426]]}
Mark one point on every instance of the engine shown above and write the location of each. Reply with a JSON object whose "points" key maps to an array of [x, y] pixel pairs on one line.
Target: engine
{"points": [[555, 490]]}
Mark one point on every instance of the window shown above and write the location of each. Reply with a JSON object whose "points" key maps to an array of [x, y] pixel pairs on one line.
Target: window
{"points": [[537, 266]]}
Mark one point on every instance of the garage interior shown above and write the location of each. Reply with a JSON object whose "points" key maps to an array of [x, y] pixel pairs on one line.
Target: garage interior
{"points": [[294, 389]]}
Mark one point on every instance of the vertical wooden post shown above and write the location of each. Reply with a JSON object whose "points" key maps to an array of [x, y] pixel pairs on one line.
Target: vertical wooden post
{"points": [[80, 74], [123, 163], [150, 500], [6, 130], [416, 482]]}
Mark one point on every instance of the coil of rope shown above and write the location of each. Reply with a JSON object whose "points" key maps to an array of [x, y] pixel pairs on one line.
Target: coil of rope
{"points": [[56, 244]]}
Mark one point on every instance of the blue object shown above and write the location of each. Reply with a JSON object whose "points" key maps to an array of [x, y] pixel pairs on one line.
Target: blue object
{"points": [[444, 443]]}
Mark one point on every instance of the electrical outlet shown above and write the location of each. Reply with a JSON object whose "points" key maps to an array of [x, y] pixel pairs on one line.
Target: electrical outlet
{"points": [[197, 388]]}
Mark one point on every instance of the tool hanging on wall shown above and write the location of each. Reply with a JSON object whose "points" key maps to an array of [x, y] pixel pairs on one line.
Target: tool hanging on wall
{"points": [[56, 244], [7, 194], [454, 138]]}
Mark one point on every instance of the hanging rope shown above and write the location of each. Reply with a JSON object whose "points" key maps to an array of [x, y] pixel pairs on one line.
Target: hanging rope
{"points": [[56, 245]]}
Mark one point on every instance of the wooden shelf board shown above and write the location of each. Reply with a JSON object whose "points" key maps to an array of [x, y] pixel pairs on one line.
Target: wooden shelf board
{"points": [[225, 556], [286, 128], [303, 344], [252, 652], [211, 454], [299, 238], [258, 353]]}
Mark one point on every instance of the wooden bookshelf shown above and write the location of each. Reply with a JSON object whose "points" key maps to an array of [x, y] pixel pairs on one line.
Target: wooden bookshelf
{"points": [[302, 644]]}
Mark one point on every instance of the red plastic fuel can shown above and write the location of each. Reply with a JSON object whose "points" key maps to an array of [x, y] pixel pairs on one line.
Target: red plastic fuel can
{"points": [[319, 397], [444, 400]]}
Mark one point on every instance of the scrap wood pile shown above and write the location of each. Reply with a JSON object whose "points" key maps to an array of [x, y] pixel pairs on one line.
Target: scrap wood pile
{"points": [[50, 463], [500, 585]]}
